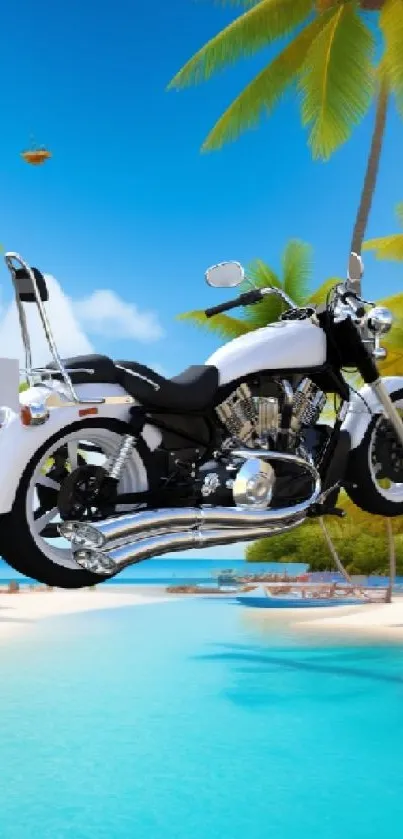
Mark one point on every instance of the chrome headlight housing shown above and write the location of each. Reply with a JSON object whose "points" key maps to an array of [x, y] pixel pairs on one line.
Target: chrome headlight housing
{"points": [[379, 320]]}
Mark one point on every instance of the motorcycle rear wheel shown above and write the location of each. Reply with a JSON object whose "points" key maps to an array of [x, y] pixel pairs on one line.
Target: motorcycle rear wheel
{"points": [[21, 543]]}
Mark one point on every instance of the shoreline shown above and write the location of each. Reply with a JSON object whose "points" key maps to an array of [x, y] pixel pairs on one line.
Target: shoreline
{"points": [[20, 609], [376, 621], [380, 621]]}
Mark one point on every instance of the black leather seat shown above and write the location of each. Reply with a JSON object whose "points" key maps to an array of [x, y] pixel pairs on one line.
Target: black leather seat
{"points": [[98, 368], [192, 390]]}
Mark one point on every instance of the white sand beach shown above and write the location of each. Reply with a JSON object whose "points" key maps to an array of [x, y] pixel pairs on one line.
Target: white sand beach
{"points": [[20, 609], [381, 620], [374, 620]]}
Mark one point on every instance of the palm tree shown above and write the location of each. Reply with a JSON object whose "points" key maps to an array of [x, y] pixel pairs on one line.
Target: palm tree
{"points": [[328, 53], [295, 281]]}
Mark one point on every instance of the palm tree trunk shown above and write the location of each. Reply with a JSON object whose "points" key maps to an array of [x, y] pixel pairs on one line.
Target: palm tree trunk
{"points": [[392, 561], [333, 553], [371, 174]]}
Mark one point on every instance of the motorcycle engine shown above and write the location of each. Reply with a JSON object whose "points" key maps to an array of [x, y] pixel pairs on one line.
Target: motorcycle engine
{"points": [[257, 418], [273, 416]]}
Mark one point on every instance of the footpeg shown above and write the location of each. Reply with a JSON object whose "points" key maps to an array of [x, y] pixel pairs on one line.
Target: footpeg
{"points": [[319, 510]]}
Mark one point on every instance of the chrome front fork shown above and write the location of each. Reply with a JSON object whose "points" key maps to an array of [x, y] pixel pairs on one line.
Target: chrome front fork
{"points": [[389, 408]]}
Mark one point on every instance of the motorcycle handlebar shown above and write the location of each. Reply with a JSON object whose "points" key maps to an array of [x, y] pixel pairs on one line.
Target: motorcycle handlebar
{"points": [[355, 303], [246, 299]]}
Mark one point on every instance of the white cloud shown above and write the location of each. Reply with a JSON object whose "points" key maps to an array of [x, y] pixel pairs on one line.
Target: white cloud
{"points": [[69, 335], [104, 313]]}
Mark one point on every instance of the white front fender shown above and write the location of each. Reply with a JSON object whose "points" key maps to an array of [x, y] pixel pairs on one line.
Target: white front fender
{"points": [[363, 405], [18, 443]]}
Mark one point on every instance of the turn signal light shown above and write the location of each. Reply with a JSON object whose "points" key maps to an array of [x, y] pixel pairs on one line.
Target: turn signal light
{"points": [[25, 414], [34, 414], [86, 412]]}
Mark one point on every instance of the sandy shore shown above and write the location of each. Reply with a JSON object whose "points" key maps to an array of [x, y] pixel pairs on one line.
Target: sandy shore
{"points": [[381, 620], [18, 610]]}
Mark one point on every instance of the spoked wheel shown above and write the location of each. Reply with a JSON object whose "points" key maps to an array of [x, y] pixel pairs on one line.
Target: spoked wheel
{"points": [[376, 468], [29, 536]]}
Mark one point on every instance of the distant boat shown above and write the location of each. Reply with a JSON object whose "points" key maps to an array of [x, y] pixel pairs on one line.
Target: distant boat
{"points": [[228, 577], [267, 602], [263, 598]]}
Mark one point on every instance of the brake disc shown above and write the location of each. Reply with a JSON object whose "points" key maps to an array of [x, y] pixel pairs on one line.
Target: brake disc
{"points": [[387, 453]]}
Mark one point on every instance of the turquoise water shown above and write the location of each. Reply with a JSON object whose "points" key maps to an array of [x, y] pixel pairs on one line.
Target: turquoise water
{"points": [[197, 720], [166, 571]]}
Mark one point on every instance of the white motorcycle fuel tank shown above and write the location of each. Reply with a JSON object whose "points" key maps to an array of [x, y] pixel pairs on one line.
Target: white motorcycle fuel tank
{"points": [[286, 345]]}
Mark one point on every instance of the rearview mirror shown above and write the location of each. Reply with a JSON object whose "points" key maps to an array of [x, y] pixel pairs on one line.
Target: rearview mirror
{"points": [[355, 268], [225, 275]]}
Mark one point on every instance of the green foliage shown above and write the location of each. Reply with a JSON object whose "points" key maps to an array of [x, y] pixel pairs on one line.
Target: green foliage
{"points": [[391, 25], [388, 247], [326, 51], [336, 82], [23, 386], [297, 268], [360, 540], [223, 325], [264, 92], [256, 28]]}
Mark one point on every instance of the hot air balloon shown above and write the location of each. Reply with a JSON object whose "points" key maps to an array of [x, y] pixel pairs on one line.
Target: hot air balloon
{"points": [[36, 155]]}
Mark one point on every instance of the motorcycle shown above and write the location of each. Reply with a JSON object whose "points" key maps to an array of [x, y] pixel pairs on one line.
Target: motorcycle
{"points": [[107, 463]]}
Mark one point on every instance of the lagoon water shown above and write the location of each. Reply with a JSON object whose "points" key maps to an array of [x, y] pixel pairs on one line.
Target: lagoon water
{"points": [[192, 719], [178, 571]]}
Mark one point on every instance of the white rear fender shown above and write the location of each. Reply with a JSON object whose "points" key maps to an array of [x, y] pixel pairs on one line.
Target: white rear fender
{"points": [[363, 405], [18, 443]]}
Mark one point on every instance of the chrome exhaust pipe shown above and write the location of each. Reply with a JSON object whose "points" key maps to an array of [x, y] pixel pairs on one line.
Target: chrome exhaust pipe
{"points": [[99, 535], [109, 563], [114, 543]]}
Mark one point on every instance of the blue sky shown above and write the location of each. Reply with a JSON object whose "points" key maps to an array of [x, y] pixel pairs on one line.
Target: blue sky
{"points": [[127, 202]]}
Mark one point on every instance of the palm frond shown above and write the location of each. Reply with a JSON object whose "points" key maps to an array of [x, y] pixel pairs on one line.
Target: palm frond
{"points": [[336, 82], [297, 270], [257, 27], [391, 24], [262, 275], [392, 365], [395, 303], [319, 296], [386, 247], [264, 92], [222, 325], [263, 313], [393, 341], [269, 309]]}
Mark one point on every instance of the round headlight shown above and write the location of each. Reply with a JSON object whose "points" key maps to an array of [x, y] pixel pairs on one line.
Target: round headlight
{"points": [[379, 320]]}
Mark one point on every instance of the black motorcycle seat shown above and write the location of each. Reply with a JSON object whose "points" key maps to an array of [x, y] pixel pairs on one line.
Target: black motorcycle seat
{"points": [[192, 390]]}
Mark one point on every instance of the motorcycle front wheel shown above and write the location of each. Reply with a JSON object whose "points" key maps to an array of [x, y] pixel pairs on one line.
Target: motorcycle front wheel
{"points": [[375, 470], [29, 539]]}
